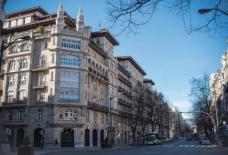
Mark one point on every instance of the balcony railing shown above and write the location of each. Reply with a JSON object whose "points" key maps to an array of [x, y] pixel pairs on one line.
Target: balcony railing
{"points": [[23, 121], [42, 67], [98, 74], [124, 80], [98, 107], [124, 114], [14, 102], [124, 91], [41, 85]]}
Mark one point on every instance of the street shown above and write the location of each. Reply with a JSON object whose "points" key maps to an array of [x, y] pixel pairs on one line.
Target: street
{"points": [[178, 147]]}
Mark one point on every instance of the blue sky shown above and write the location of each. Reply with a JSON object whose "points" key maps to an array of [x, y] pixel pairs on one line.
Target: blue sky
{"points": [[167, 53]]}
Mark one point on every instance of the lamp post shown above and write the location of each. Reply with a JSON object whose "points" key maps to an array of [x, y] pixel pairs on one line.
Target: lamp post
{"points": [[110, 138], [204, 11]]}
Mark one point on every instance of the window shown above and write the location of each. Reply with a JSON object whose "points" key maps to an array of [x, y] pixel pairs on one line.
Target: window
{"points": [[69, 95], [39, 115], [6, 25], [20, 115], [12, 65], [70, 61], [20, 21], [21, 94], [87, 116], [95, 116], [52, 76], [52, 57], [102, 118], [41, 96], [10, 96], [9, 116], [28, 20], [43, 61], [44, 45], [25, 47], [68, 114], [71, 44], [13, 23], [23, 63], [10, 80], [13, 49]]}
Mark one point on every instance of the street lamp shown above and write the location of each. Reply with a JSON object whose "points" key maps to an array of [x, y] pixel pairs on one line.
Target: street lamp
{"points": [[110, 118], [204, 11]]}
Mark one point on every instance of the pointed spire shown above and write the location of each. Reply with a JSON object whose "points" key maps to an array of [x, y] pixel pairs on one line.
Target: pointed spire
{"points": [[60, 9], [80, 20], [60, 23]]}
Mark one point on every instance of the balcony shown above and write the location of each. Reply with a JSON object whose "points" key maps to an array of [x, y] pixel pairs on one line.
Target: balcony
{"points": [[97, 74], [14, 122], [125, 92], [124, 114], [124, 80], [43, 67], [98, 107], [41, 85], [15, 103]]}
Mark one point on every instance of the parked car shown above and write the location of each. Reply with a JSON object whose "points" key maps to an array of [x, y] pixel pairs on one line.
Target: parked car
{"points": [[205, 141]]}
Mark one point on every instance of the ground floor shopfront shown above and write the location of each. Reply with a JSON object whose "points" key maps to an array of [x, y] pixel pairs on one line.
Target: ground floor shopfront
{"points": [[67, 136]]}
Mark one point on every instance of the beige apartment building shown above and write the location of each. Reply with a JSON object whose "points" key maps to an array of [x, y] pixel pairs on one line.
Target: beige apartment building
{"points": [[63, 82], [219, 91]]}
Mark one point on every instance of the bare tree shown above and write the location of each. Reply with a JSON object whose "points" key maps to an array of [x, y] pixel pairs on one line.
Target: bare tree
{"points": [[137, 109], [130, 14], [200, 93]]}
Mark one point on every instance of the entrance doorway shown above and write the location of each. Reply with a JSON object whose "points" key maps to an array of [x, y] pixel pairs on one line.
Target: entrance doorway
{"points": [[95, 137], [39, 137], [67, 138], [87, 143]]}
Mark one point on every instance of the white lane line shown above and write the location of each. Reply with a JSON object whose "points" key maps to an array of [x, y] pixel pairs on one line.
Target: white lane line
{"points": [[192, 145]]}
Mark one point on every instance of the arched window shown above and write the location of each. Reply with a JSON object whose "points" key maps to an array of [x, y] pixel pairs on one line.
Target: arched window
{"points": [[23, 63], [25, 47], [12, 65], [13, 49]]}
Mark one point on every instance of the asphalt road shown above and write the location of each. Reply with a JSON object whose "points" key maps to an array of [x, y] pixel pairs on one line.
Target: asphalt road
{"points": [[180, 147]]}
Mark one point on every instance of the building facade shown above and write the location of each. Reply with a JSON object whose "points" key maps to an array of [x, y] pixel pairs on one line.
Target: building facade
{"points": [[64, 83], [219, 97]]}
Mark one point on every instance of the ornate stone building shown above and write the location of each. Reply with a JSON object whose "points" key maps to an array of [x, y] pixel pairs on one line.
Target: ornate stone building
{"points": [[63, 82], [219, 91]]}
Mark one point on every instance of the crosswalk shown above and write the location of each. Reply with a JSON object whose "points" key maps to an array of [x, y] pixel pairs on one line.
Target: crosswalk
{"points": [[188, 146]]}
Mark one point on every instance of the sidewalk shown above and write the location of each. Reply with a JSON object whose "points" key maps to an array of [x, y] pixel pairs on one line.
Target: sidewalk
{"points": [[44, 151]]}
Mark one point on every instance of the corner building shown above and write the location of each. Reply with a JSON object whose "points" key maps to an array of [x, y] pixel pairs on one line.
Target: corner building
{"points": [[58, 84]]}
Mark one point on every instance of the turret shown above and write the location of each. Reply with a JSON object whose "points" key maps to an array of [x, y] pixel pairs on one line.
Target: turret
{"points": [[80, 20], [60, 23]]}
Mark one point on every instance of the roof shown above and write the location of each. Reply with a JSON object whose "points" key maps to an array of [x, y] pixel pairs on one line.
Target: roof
{"points": [[26, 11], [148, 81], [107, 34], [133, 62]]}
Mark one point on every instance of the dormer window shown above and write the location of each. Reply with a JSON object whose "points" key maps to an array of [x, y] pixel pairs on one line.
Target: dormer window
{"points": [[13, 49], [25, 47]]}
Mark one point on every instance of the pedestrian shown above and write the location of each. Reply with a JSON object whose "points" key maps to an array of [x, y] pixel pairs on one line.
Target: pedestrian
{"points": [[56, 144]]}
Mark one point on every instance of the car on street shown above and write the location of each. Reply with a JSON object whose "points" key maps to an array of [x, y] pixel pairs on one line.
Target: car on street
{"points": [[205, 141], [152, 138]]}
